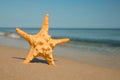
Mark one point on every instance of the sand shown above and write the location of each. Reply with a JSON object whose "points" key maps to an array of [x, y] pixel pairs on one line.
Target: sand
{"points": [[11, 68]]}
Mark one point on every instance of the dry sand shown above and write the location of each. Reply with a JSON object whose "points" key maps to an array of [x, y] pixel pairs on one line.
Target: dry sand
{"points": [[11, 68]]}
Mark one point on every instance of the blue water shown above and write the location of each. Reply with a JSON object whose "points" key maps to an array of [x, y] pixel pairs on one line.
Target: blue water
{"points": [[97, 38], [104, 36], [99, 46], [76, 34]]}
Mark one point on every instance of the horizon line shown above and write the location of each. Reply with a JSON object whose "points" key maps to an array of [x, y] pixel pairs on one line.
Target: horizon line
{"points": [[62, 27]]}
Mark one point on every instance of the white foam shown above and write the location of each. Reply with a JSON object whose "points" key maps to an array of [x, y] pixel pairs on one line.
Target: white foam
{"points": [[13, 35], [2, 33], [10, 34]]}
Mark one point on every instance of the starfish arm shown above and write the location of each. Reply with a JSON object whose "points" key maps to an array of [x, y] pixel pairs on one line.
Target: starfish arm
{"points": [[60, 41], [30, 56], [23, 34], [45, 25], [50, 59]]}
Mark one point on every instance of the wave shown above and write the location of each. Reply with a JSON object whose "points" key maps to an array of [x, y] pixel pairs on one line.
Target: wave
{"points": [[10, 34], [72, 38], [91, 40]]}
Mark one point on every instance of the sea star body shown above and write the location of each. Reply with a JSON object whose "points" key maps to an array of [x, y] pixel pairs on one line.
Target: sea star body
{"points": [[41, 44]]}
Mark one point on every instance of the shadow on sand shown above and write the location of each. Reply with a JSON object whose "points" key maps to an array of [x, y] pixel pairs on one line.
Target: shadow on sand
{"points": [[35, 60]]}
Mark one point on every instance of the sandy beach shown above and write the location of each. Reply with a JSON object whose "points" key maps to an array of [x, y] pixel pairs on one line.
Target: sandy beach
{"points": [[31, 29], [12, 68]]}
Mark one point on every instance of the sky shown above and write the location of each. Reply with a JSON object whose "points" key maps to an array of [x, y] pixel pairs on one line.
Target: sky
{"points": [[62, 13]]}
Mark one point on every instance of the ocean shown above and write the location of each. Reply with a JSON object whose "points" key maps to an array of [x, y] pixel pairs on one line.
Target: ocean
{"points": [[103, 44]]}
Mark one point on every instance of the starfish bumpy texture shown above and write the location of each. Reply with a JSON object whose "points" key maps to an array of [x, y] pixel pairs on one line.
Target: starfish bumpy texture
{"points": [[41, 44]]}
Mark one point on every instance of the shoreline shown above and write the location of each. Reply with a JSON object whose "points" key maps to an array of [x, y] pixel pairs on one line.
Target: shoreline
{"points": [[66, 69], [109, 59]]}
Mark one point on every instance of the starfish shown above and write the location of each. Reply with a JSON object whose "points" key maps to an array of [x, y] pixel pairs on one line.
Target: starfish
{"points": [[41, 44]]}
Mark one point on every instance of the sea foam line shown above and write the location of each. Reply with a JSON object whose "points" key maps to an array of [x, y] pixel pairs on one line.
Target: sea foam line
{"points": [[10, 34]]}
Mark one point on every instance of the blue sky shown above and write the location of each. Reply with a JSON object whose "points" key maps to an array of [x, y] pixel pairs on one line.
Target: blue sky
{"points": [[63, 13]]}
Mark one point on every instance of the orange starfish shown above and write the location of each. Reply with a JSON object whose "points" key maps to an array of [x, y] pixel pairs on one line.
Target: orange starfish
{"points": [[41, 44]]}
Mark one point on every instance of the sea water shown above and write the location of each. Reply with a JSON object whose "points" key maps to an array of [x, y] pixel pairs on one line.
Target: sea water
{"points": [[92, 42], [107, 38]]}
